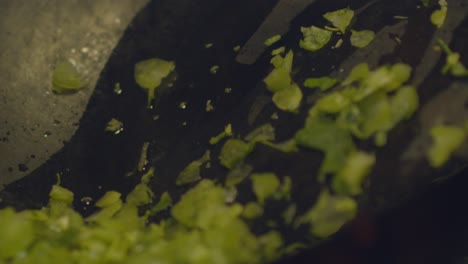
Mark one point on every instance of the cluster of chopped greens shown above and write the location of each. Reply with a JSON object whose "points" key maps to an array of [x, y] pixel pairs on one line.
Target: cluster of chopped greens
{"points": [[315, 38], [207, 224], [203, 228], [287, 95]]}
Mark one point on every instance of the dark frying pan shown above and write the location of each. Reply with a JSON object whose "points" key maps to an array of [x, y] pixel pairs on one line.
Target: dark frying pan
{"points": [[94, 161]]}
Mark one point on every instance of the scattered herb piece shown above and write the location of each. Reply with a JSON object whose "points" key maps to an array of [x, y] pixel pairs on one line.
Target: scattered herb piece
{"points": [[361, 39], [114, 126], [348, 180], [66, 78], [191, 173], [264, 185], [150, 73], [323, 83], [227, 132], [340, 18], [272, 40], [233, 152], [445, 140], [438, 17], [262, 133], [314, 38], [329, 214]]}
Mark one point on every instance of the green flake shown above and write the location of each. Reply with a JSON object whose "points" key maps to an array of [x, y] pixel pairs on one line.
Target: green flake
{"points": [[348, 180], [323, 83], [233, 152], [361, 39], [452, 63], [191, 173], [288, 99], [114, 126], [278, 51], [332, 103], [438, 16], [358, 73], [287, 146], [66, 79], [445, 140], [340, 18], [272, 40], [16, 232], [252, 210], [165, 201], [271, 244], [314, 38], [227, 132], [238, 174], [280, 78], [264, 185], [329, 214], [214, 69], [150, 73], [326, 136], [262, 133]]}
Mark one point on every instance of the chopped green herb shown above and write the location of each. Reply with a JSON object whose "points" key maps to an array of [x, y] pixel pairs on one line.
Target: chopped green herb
{"points": [[117, 89], [289, 214], [233, 152], [165, 201], [16, 231], [238, 174], [348, 180], [278, 51], [438, 17], [323, 83], [333, 103], [361, 39], [340, 18], [114, 126], [314, 38], [404, 103], [358, 73], [227, 132], [143, 160], [338, 44], [271, 244], [287, 146], [329, 214], [453, 64], [324, 135], [445, 140], [191, 173], [265, 185], [272, 40], [214, 69], [288, 99], [236, 48], [150, 73], [252, 210], [262, 133], [66, 78], [279, 78]]}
